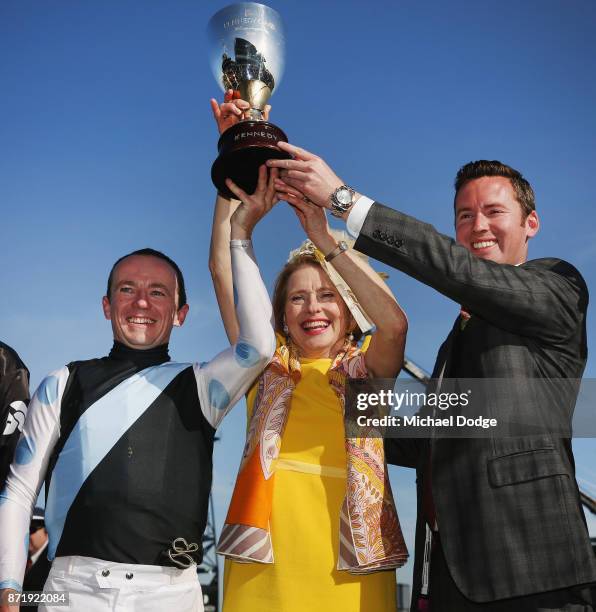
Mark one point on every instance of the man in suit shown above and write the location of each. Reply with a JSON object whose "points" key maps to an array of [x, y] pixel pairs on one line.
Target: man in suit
{"points": [[500, 525]]}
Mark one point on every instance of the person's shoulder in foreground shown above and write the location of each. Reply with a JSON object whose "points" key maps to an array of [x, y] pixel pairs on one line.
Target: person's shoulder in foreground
{"points": [[14, 398]]}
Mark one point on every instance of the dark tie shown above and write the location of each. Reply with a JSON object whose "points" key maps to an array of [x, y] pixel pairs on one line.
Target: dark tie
{"points": [[428, 503]]}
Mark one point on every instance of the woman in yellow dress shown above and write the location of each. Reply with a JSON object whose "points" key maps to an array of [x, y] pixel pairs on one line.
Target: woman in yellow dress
{"points": [[312, 524]]}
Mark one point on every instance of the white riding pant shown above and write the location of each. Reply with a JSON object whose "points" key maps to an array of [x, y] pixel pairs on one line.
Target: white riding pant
{"points": [[94, 585]]}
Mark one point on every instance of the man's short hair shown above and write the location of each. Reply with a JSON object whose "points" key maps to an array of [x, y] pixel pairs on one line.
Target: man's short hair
{"points": [[153, 253], [524, 193]]}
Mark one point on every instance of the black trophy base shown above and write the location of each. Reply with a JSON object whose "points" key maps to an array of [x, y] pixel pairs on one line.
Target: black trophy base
{"points": [[242, 149]]}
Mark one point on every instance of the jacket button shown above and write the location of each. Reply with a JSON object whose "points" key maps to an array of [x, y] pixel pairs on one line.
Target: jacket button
{"points": [[376, 234], [105, 573], [383, 236], [129, 575], [399, 243], [390, 240]]}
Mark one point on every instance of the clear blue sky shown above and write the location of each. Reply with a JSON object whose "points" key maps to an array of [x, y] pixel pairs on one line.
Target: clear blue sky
{"points": [[106, 142]]}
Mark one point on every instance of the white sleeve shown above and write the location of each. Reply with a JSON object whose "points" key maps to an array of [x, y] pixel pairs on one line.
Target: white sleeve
{"points": [[357, 215], [27, 472], [225, 379]]}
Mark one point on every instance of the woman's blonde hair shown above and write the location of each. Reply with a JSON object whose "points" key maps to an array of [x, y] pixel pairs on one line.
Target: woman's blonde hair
{"points": [[280, 293]]}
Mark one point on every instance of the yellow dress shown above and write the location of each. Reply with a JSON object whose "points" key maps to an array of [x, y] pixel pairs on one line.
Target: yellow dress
{"points": [[310, 485]]}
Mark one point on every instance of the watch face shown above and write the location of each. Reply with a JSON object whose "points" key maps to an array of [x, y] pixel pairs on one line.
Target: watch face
{"points": [[344, 196]]}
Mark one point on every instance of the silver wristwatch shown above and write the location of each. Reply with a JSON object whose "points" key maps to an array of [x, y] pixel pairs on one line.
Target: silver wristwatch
{"points": [[342, 199]]}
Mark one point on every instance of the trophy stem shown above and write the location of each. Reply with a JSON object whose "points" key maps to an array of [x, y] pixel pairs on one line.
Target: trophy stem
{"points": [[255, 114]]}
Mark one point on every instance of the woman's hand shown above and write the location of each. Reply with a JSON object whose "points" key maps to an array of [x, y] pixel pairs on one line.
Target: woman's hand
{"points": [[232, 111], [253, 207], [312, 218], [307, 174]]}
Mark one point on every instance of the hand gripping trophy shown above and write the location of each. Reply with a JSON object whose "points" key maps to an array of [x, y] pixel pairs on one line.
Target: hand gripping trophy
{"points": [[246, 43]]}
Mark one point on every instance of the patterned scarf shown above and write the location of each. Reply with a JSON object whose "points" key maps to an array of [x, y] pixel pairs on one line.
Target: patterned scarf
{"points": [[370, 537]]}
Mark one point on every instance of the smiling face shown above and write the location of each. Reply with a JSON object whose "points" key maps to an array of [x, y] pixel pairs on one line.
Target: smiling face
{"points": [[143, 306], [316, 316], [489, 222]]}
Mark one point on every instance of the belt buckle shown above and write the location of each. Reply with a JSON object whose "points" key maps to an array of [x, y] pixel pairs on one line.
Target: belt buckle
{"points": [[179, 553]]}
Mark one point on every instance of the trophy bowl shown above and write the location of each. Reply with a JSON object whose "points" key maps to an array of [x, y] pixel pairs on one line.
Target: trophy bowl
{"points": [[247, 45]]}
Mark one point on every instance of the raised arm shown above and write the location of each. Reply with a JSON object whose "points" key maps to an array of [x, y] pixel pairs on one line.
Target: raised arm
{"points": [[220, 264], [385, 354], [222, 381], [542, 299], [233, 219], [236, 225]]}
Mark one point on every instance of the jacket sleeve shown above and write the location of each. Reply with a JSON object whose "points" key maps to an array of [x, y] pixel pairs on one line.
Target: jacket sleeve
{"points": [[545, 299], [406, 452], [222, 381], [26, 475]]}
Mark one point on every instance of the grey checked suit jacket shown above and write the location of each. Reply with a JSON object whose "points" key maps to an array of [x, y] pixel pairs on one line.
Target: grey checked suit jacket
{"points": [[508, 509]]}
